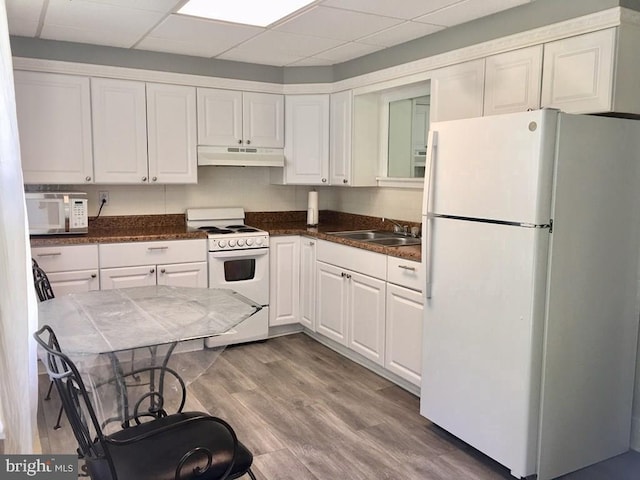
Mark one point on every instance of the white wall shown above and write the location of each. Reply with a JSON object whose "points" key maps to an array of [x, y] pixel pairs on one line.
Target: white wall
{"points": [[635, 421], [249, 187]]}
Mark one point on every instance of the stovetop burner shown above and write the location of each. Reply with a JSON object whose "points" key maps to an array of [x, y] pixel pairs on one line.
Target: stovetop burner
{"points": [[211, 229]]}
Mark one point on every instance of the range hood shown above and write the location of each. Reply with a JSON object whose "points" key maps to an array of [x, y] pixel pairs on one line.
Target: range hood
{"points": [[240, 156]]}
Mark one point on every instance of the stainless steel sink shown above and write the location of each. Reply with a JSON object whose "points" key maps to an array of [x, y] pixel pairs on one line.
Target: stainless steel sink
{"points": [[379, 237], [396, 241], [365, 234]]}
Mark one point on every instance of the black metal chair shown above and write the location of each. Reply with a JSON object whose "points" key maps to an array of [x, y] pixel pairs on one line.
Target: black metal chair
{"points": [[180, 446], [41, 282]]}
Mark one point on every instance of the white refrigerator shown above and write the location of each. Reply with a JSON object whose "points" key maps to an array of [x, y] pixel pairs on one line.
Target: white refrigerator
{"points": [[530, 247]]}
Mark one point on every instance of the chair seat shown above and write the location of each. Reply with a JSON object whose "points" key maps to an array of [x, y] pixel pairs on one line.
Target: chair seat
{"points": [[156, 457]]}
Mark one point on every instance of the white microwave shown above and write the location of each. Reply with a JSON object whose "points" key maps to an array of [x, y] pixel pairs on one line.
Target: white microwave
{"points": [[51, 213]]}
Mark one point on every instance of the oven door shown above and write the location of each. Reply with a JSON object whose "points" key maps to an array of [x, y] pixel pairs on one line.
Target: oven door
{"points": [[245, 271]]}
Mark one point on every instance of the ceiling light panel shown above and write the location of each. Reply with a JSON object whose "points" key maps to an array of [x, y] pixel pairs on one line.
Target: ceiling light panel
{"points": [[248, 12]]}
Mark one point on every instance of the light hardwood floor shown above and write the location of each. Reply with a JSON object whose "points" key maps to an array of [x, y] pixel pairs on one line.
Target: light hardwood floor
{"points": [[307, 413]]}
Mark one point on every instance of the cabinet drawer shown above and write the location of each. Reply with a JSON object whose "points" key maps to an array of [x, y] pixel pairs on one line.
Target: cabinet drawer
{"points": [[152, 253], [406, 273], [352, 258], [66, 258]]}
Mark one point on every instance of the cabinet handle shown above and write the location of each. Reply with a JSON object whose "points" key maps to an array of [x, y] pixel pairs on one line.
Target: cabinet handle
{"points": [[348, 276], [157, 248], [311, 244], [239, 142], [93, 275], [87, 178], [324, 180], [344, 180], [163, 271], [342, 274], [406, 267], [154, 179], [144, 179], [153, 270], [248, 142], [52, 254]]}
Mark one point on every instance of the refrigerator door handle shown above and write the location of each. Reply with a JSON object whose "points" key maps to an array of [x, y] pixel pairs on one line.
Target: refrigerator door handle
{"points": [[428, 194]]}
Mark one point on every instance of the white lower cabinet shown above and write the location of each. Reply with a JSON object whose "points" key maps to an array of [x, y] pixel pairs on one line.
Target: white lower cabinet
{"points": [[308, 283], [181, 263], [351, 290], [70, 269], [284, 270]]}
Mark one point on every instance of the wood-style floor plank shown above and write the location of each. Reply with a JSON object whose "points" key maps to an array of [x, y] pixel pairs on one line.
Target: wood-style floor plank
{"points": [[307, 413]]}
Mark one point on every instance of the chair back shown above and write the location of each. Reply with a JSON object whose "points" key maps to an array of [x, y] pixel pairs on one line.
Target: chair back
{"points": [[73, 395], [41, 282]]}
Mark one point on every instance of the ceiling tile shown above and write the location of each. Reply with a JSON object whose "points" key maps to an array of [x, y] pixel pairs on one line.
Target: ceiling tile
{"points": [[269, 58], [468, 10], [406, 9], [288, 43], [162, 6], [336, 23], [24, 17], [97, 23], [400, 34], [347, 52], [311, 62], [196, 36]]}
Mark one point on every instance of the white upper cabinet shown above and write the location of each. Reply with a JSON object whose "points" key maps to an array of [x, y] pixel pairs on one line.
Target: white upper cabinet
{"points": [[579, 72], [457, 91], [340, 138], [512, 81], [119, 115], [232, 118], [306, 147], [172, 133], [54, 122]]}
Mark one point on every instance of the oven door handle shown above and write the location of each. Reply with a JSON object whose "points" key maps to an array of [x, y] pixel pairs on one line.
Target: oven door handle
{"points": [[253, 252]]}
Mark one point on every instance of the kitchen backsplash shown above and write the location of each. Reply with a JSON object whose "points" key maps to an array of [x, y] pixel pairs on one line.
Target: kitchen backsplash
{"points": [[250, 189]]}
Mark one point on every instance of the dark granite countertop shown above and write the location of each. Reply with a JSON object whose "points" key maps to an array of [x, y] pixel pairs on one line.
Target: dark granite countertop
{"points": [[146, 228]]}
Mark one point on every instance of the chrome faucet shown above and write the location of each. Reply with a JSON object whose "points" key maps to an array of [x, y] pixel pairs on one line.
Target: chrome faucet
{"points": [[398, 228]]}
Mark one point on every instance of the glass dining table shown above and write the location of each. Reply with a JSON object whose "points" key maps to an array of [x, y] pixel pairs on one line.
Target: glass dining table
{"points": [[124, 343]]}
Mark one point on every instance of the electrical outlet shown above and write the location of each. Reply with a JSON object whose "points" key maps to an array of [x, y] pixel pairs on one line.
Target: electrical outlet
{"points": [[103, 197]]}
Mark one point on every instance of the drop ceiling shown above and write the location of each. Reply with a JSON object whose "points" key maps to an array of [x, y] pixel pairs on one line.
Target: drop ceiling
{"points": [[324, 33]]}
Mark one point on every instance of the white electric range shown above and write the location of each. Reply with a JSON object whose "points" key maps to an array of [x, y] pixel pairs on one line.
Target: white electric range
{"points": [[238, 259]]}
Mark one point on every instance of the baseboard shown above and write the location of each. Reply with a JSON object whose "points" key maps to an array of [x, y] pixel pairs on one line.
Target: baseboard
{"points": [[635, 433]]}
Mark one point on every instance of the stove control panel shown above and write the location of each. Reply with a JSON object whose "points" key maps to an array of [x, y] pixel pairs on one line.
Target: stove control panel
{"points": [[230, 242]]}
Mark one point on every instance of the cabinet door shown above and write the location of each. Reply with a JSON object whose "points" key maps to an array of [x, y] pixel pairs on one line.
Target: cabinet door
{"points": [[512, 81], [54, 120], [183, 275], [76, 281], [403, 338], [308, 283], [219, 117], [263, 120], [366, 317], [341, 112], [171, 125], [331, 313], [457, 91], [119, 116], [578, 73], [284, 281], [306, 147], [124, 277]]}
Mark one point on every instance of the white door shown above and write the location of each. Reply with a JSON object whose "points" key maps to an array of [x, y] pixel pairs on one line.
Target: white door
{"points": [[366, 317], [482, 336], [306, 146], [498, 167], [183, 275], [76, 281], [219, 117], [119, 113], [172, 133], [125, 277], [331, 313], [54, 119], [403, 338], [263, 120]]}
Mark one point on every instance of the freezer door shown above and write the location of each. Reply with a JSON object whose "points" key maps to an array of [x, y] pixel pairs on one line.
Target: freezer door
{"points": [[498, 167], [482, 337]]}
